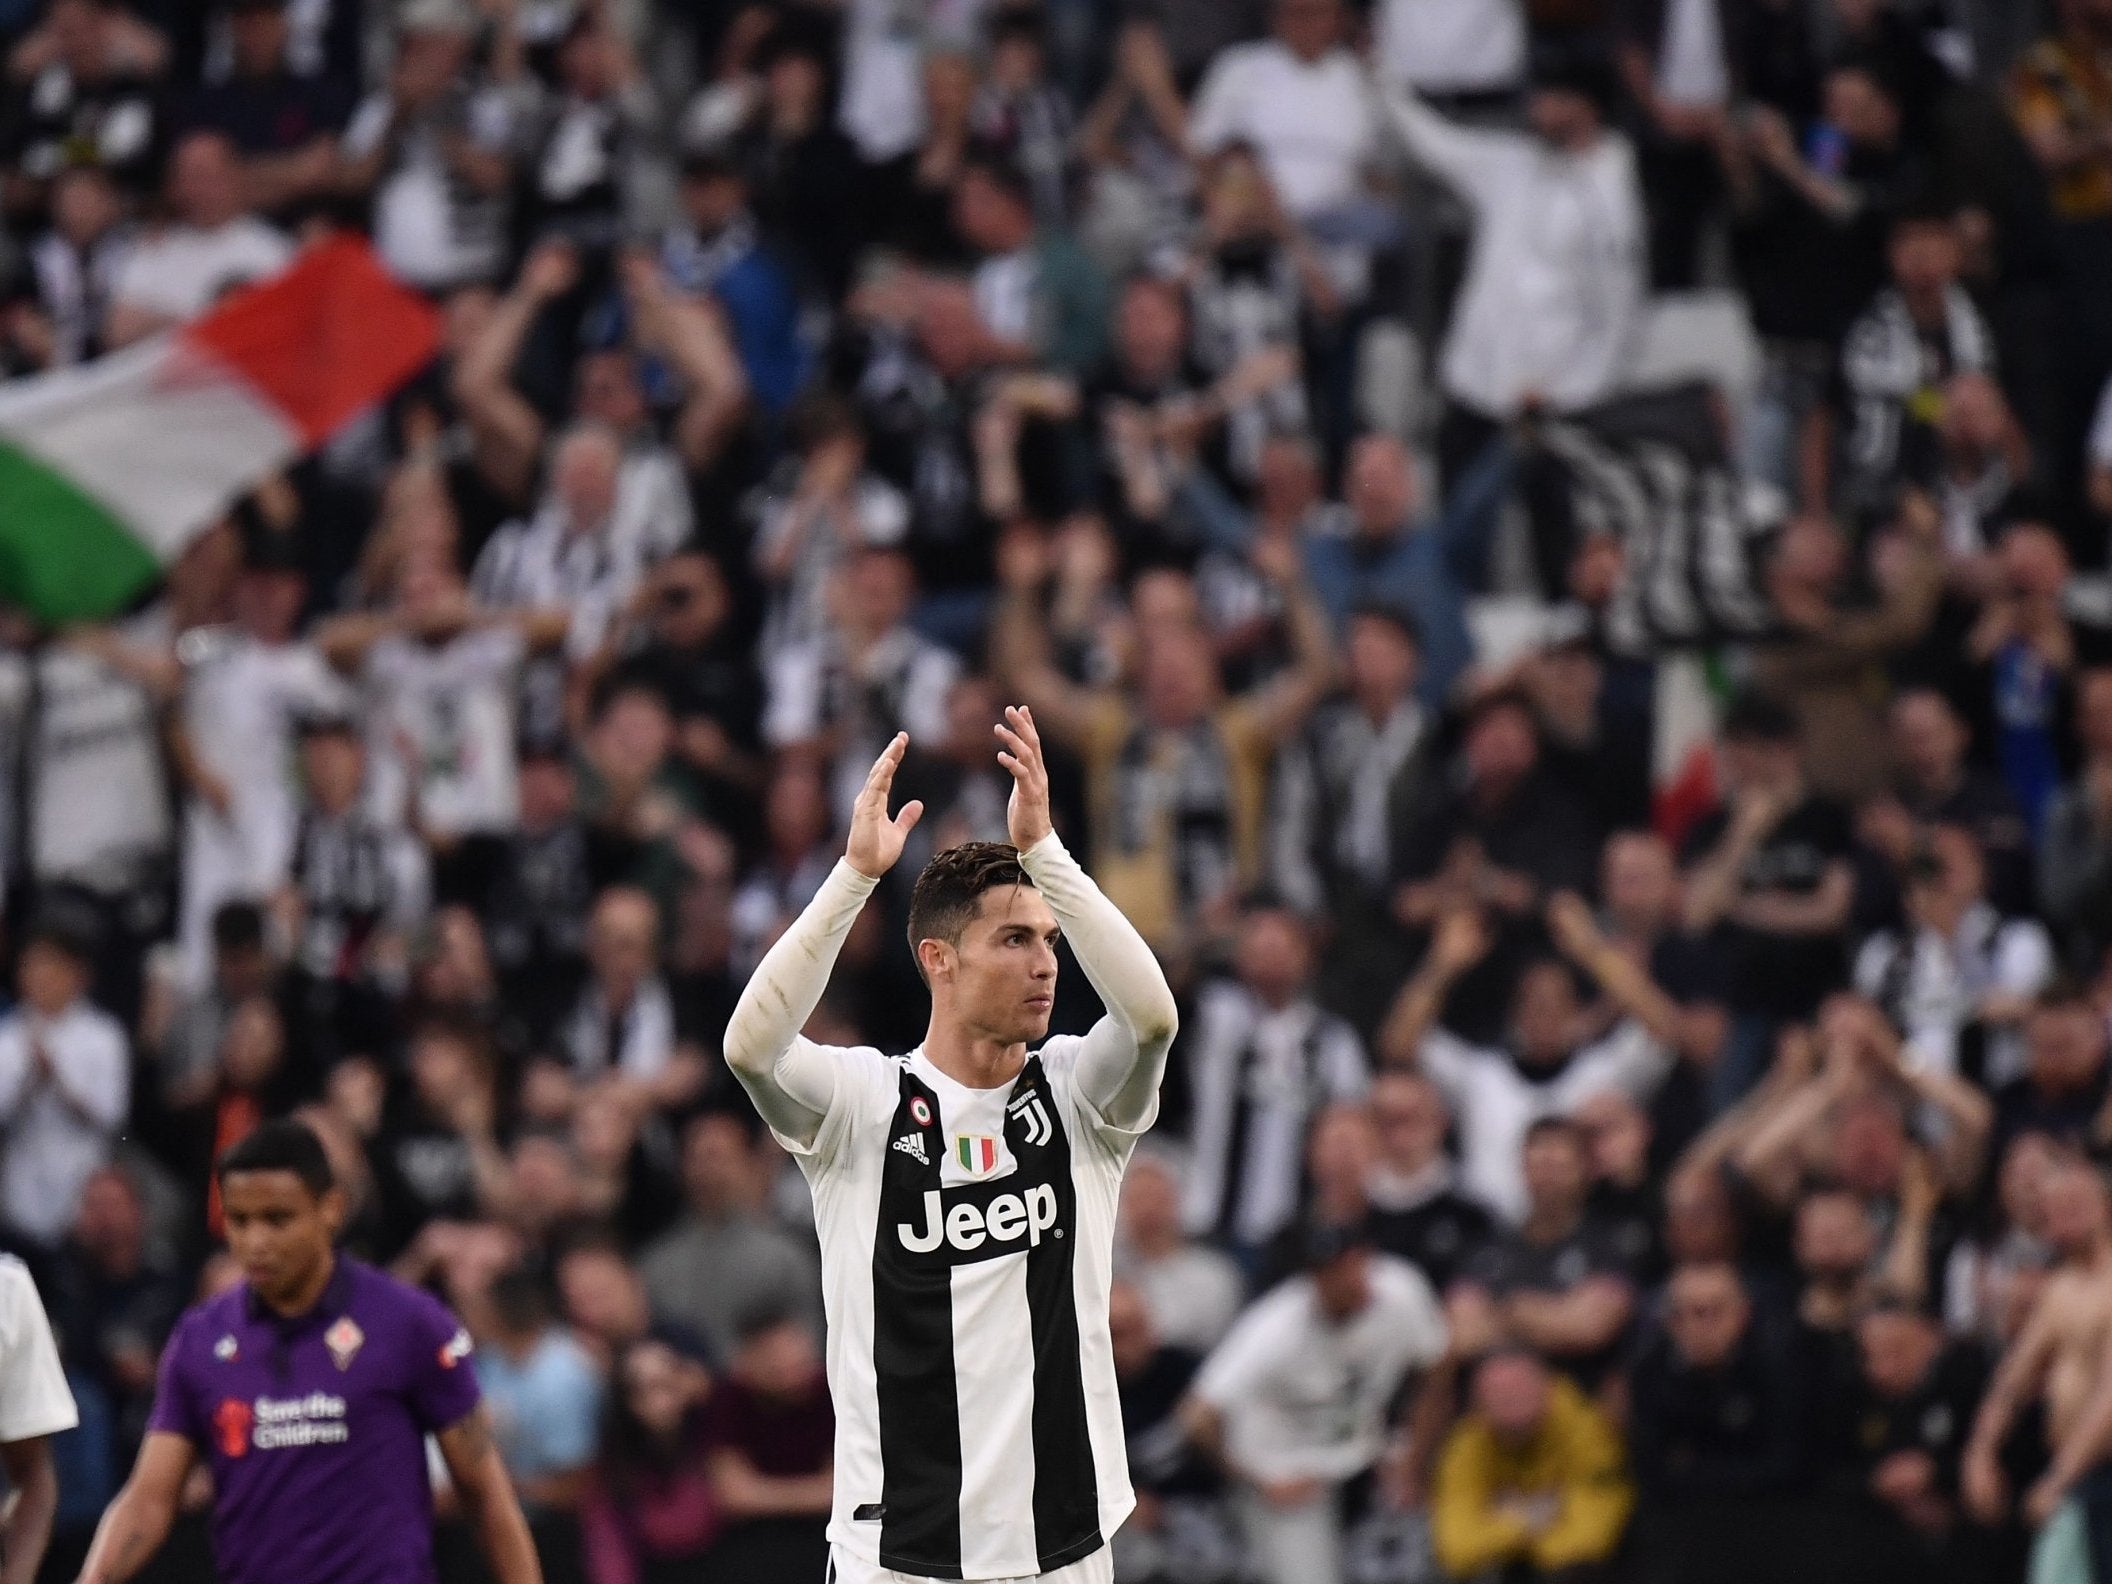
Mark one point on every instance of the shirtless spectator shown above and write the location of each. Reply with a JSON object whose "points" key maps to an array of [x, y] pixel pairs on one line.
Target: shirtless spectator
{"points": [[2061, 1358]]}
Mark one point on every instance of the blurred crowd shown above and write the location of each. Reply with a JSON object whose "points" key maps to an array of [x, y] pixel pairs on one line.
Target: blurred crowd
{"points": [[1598, 1146]]}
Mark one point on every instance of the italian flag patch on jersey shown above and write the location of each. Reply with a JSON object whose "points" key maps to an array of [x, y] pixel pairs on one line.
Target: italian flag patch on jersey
{"points": [[977, 1153]]}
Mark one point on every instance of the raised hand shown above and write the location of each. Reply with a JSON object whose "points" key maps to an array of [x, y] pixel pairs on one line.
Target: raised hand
{"points": [[1027, 814], [876, 840], [1461, 940], [1574, 930]]}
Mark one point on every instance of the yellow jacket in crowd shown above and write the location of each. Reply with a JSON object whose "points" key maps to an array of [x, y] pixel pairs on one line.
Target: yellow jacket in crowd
{"points": [[1560, 1499]]}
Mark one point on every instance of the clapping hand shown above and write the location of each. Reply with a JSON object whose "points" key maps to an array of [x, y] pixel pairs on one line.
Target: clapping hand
{"points": [[1027, 815], [876, 839]]}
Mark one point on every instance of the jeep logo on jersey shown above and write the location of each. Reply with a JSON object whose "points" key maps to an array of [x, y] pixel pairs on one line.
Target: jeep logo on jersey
{"points": [[967, 1227]]}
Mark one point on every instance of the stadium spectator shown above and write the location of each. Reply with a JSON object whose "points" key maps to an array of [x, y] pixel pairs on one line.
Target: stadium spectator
{"points": [[1769, 871], [1542, 1069], [1266, 1058], [1530, 1479], [1296, 1402], [1560, 1282], [723, 1257], [1418, 1211], [650, 1510], [1190, 1291], [1715, 1432], [1548, 308], [806, 373], [1499, 833], [1175, 770], [770, 1436], [2072, 887], [546, 1401], [65, 1076], [1178, 1530], [283, 114]]}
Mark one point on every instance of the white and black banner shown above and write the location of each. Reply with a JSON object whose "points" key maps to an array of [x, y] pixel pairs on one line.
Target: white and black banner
{"points": [[1652, 471]]}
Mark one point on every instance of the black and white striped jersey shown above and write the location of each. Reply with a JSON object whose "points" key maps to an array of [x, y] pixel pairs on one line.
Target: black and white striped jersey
{"points": [[967, 1248]]}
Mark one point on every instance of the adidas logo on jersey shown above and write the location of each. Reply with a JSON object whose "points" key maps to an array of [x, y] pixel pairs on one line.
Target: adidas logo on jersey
{"points": [[912, 1145], [966, 1226], [1027, 1110]]}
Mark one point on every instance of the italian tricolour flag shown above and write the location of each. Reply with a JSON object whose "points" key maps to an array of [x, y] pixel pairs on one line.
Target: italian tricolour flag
{"points": [[1689, 705], [108, 470]]}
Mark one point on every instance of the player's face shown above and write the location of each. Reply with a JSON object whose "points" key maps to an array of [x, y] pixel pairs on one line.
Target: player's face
{"points": [[278, 1230], [1004, 982]]}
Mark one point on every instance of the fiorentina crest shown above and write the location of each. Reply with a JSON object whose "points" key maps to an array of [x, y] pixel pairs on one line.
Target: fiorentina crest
{"points": [[344, 1340], [977, 1153]]}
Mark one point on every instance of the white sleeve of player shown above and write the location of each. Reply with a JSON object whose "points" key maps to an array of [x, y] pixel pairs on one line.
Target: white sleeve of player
{"points": [[792, 1080], [1124, 1056], [34, 1398]]}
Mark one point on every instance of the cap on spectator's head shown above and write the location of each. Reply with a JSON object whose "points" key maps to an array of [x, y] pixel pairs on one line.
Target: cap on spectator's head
{"points": [[451, 17], [1578, 68], [1394, 613], [1756, 718], [1322, 1241]]}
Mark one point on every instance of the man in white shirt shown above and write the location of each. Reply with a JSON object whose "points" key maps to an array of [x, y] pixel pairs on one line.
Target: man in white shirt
{"points": [[1498, 1093], [244, 688], [65, 1086], [214, 245], [1556, 277], [1299, 99], [35, 1404], [1296, 1402]]}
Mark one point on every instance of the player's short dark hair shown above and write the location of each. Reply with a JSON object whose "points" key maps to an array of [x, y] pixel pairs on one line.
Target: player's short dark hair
{"points": [[951, 888], [280, 1145]]}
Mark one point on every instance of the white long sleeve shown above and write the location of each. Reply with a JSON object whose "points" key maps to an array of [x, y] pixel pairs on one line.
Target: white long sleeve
{"points": [[1124, 1055], [1465, 159], [791, 1079]]}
